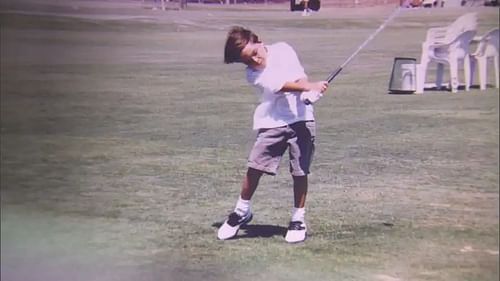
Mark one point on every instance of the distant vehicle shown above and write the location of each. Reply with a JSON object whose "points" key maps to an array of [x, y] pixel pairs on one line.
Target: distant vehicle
{"points": [[429, 3], [492, 3]]}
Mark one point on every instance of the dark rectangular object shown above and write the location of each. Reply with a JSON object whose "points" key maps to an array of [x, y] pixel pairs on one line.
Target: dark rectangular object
{"points": [[313, 5]]}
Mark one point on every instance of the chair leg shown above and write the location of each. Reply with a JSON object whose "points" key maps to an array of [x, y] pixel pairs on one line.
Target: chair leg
{"points": [[439, 75], [473, 64], [421, 72], [454, 75], [482, 63], [497, 72], [467, 72]]}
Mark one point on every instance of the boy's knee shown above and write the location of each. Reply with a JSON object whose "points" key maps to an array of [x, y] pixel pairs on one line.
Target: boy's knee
{"points": [[300, 178], [254, 172]]}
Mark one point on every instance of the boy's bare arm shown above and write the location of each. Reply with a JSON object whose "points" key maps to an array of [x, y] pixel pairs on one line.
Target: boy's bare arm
{"points": [[303, 84]]}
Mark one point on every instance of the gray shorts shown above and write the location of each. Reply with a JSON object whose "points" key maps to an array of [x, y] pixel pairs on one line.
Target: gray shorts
{"points": [[272, 143]]}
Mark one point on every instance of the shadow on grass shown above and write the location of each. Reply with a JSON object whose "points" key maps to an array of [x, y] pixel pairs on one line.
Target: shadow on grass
{"points": [[446, 89], [442, 89], [257, 231]]}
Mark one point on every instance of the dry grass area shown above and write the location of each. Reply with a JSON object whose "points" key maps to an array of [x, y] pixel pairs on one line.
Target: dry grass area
{"points": [[124, 139]]}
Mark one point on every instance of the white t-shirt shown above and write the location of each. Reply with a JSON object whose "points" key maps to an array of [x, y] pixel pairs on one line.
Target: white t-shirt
{"points": [[276, 108]]}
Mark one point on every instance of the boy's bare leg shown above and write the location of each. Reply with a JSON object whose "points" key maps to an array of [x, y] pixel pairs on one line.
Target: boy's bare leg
{"points": [[242, 212], [299, 191], [250, 183], [297, 229]]}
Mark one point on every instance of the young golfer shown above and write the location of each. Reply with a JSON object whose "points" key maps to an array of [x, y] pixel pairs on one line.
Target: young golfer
{"points": [[282, 120]]}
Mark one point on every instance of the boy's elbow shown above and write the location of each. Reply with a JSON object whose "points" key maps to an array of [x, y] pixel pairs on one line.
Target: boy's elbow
{"points": [[303, 83]]}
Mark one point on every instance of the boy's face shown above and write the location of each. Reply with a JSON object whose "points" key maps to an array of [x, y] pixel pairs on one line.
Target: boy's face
{"points": [[254, 55]]}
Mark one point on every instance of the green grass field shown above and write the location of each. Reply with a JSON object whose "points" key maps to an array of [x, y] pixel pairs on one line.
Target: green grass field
{"points": [[124, 141]]}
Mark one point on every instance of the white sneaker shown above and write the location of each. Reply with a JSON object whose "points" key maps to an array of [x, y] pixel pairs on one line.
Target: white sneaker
{"points": [[230, 227], [297, 232], [305, 13]]}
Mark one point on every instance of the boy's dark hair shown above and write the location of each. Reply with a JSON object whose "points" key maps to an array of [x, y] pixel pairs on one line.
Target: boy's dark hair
{"points": [[237, 38]]}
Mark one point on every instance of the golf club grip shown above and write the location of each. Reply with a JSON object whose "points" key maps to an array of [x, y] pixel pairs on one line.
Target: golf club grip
{"points": [[335, 73]]}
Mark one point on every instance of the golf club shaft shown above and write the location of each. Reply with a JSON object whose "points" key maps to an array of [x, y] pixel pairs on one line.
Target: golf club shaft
{"points": [[382, 26]]}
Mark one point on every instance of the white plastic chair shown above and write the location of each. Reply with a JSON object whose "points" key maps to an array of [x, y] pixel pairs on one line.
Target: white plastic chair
{"points": [[486, 49], [435, 38], [443, 44], [452, 54]]}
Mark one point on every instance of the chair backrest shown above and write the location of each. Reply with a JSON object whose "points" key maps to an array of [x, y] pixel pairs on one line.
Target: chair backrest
{"points": [[463, 23], [444, 34], [461, 44], [466, 22], [488, 44]]}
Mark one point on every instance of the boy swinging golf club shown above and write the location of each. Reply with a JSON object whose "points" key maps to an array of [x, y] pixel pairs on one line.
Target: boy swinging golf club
{"points": [[283, 120]]}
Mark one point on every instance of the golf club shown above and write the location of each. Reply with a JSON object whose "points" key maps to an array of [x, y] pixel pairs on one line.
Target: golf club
{"points": [[311, 97], [382, 26]]}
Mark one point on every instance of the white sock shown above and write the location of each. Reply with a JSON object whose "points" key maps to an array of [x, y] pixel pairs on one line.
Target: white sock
{"points": [[242, 207], [298, 214]]}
